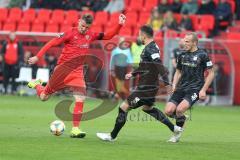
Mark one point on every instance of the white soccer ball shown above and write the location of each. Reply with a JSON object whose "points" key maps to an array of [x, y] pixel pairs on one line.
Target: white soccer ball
{"points": [[57, 127]]}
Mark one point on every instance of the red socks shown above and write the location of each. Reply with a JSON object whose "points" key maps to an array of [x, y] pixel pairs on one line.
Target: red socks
{"points": [[77, 113], [39, 88]]}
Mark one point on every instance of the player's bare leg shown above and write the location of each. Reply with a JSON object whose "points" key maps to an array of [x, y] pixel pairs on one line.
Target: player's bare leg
{"points": [[170, 109], [180, 119], [120, 122], [77, 115]]}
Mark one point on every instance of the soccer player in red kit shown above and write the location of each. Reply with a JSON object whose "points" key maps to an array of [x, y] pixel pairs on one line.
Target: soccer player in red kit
{"points": [[68, 73]]}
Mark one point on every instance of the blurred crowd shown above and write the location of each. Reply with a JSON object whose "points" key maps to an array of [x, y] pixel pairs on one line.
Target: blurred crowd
{"points": [[162, 16], [82, 5]]}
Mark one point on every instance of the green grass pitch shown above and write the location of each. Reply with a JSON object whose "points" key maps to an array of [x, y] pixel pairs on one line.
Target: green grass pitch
{"points": [[213, 134]]}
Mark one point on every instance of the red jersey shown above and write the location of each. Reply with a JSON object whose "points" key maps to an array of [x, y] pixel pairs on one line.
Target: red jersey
{"points": [[75, 44]]}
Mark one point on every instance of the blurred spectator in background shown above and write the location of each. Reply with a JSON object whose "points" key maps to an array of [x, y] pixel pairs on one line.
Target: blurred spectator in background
{"points": [[206, 7], [51, 62], [99, 5], [191, 7], [4, 3], [136, 50], [115, 6], [238, 9], [34, 67], [169, 22], [156, 20], [16, 3], [185, 23], [175, 53], [176, 6], [12, 59], [121, 60], [163, 7], [222, 13], [86, 4]]}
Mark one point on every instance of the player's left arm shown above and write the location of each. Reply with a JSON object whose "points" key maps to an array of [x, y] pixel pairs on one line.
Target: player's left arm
{"points": [[111, 33], [209, 66]]}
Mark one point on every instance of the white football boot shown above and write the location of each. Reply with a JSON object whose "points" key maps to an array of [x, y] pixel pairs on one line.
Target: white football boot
{"points": [[105, 137], [176, 135]]}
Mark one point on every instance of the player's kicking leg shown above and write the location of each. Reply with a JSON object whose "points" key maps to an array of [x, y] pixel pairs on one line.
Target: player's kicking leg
{"points": [[77, 115], [120, 122], [37, 84]]}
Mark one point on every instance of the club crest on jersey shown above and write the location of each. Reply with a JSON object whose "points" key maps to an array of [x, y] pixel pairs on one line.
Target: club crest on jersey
{"points": [[195, 58], [87, 37]]}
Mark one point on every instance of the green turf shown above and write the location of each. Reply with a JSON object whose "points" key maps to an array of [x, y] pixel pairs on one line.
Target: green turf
{"points": [[213, 133]]}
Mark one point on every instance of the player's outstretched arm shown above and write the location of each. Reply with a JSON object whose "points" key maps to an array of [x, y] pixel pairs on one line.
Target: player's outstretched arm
{"points": [[110, 34], [51, 43]]}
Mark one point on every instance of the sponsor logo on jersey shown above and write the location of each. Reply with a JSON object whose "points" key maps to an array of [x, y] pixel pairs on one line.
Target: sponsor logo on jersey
{"points": [[195, 58], [155, 55], [87, 37], [189, 64], [84, 46], [209, 64]]}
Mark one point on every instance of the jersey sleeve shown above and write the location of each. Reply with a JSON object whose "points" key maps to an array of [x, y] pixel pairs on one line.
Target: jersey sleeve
{"points": [[179, 62], [155, 63], [61, 38], [97, 36], [206, 61]]}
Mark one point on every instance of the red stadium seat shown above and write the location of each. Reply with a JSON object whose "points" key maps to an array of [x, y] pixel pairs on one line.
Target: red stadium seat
{"points": [[178, 17], [52, 28], [3, 14], [127, 2], [113, 19], [234, 29], [9, 27], [72, 17], [195, 21], [132, 20], [143, 18], [101, 18], [65, 28], [29, 15], [58, 16], [37, 27], [43, 16], [150, 4], [159, 35], [125, 31], [135, 6], [206, 22], [23, 27], [171, 34], [233, 36], [15, 15], [96, 29], [233, 5]]}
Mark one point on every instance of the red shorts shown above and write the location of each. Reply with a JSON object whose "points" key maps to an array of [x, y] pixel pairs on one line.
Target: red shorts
{"points": [[65, 77]]}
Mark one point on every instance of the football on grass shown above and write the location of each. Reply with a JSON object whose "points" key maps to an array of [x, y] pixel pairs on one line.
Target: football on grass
{"points": [[57, 127]]}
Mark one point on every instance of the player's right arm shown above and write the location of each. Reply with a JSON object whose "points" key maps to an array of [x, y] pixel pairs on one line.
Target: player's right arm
{"points": [[54, 42], [177, 74]]}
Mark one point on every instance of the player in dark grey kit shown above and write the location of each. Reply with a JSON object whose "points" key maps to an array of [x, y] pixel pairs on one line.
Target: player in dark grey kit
{"points": [[189, 83], [149, 69]]}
